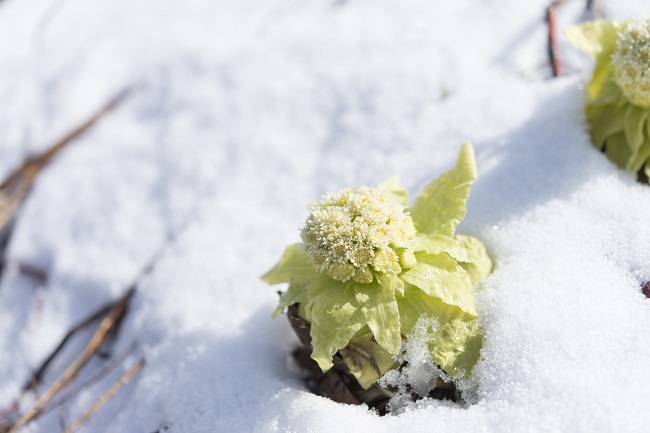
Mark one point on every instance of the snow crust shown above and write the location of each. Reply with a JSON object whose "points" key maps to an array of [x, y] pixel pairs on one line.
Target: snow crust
{"points": [[243, 111]]}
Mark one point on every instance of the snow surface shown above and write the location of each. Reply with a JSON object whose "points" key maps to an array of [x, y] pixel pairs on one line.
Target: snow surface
{"points": [[242, 112]]}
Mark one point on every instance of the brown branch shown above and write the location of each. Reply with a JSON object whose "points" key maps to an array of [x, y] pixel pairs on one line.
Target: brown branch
{"points": [[36, 377], [26, 269], [15, 187], [50, 153], [113, 313], [105, 327], [92, 380], [553, 48], [123, 380]]}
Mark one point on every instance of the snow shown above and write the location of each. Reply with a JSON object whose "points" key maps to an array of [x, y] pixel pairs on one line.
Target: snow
{"points": [[243, 111], [419, 375]]}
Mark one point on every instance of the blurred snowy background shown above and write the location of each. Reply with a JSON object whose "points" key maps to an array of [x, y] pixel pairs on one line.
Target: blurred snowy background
{"points": [[243, 111]]}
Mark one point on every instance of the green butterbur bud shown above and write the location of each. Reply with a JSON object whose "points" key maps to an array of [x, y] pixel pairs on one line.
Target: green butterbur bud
{"points": [[363, 275], [407, 260], [355, 228], [618, 94], [386, 261], [369, 267], [340, 271]]}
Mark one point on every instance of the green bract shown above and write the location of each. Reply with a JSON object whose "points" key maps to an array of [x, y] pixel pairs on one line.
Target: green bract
{"points": [[369, 268], [618, 95]]}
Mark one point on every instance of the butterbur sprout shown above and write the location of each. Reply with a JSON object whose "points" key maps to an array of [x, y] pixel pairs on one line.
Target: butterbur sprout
{"points": [[618, 95], [370, 266]]}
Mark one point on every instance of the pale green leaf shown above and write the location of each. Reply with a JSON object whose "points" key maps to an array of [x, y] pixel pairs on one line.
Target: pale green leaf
{"points": [[634, 122], [617, 151], [441, 205], [456, 346], [295, 294], [479, 264], [442, 277], [598, 39], [394, 190], [366, 359], [320, 285], [335, 318], [602, 90], [605, 121], [642, 158], [643, 154], [293, 267], [380, 311], [455, 342], [594, 38], [390, 281], [436, 244], [415, 303]]}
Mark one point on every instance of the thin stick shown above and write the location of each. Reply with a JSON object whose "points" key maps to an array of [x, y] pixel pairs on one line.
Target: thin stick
{"points": [[105, 326], [26, 269], [553, 48], [45, 402], [46, 156], [126, 378], [15, 187], [92, 380], [36, 377]]}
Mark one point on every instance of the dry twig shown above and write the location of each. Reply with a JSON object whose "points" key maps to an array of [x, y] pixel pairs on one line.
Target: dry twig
{"points": [[107, 324], [118, 360], [553, 49], [123, 380], [35, 380], [26, 269], [36, 377], [15, 187], [111, 317]]}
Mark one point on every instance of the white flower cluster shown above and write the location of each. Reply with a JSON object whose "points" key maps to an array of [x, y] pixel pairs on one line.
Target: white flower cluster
{"points": [[350, 233], [631, 61]]}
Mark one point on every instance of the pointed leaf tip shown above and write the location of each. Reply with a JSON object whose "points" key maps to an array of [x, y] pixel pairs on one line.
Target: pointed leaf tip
{"points": [[441, 205], [467, 157]]}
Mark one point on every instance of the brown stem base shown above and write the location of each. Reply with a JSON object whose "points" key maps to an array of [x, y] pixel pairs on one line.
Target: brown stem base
{"points": [[340, 385]]}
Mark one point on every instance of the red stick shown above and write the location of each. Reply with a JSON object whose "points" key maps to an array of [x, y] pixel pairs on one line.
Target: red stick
{"points": [[553, 49]]}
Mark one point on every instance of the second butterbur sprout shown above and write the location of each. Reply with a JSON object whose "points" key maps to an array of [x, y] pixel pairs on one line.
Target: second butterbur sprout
{"points": [[618, 94]]}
